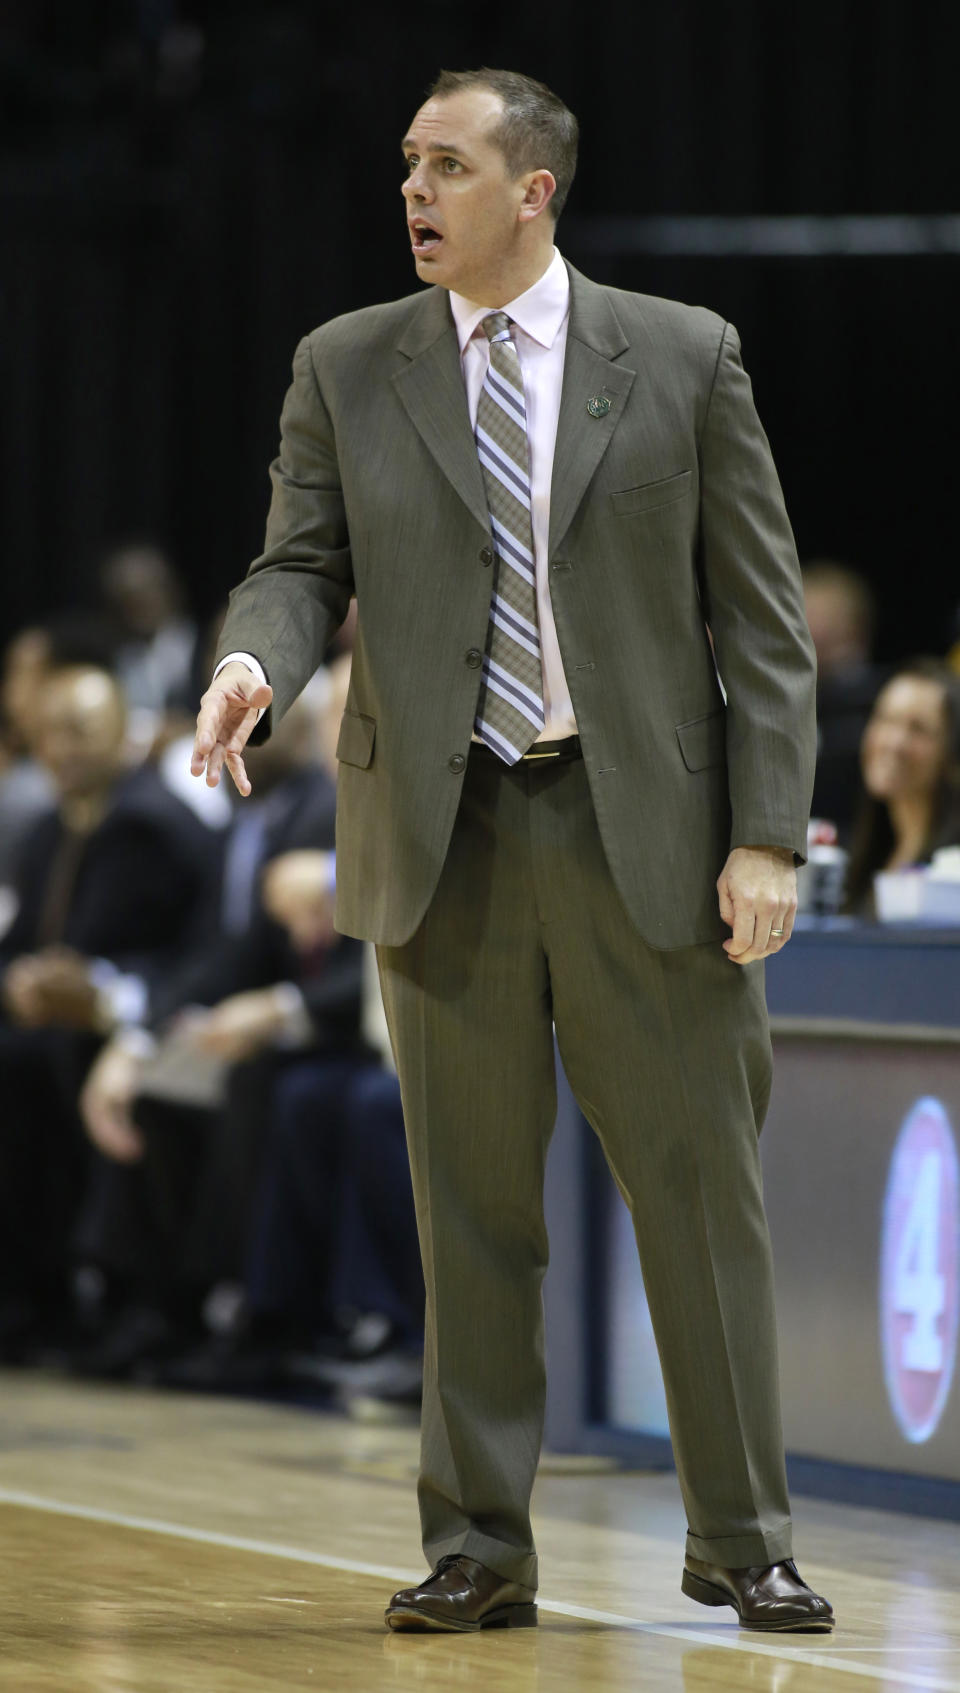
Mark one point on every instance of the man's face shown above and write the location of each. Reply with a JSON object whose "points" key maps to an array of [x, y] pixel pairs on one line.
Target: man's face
{"points": [[80, 731], [462, 207]]}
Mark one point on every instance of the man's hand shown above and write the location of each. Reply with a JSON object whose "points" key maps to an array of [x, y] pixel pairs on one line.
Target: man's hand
{"points": [[21, 993], [237, 1028], [758, 898], [228, 712], [105, 1103], [52, 989]]}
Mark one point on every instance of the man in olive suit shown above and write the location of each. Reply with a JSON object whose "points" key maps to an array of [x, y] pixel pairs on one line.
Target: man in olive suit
{"points": [[547, 497]]}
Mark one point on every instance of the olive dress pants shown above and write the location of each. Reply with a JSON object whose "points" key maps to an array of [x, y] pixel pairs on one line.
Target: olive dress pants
{"points": [[668, 1055]]}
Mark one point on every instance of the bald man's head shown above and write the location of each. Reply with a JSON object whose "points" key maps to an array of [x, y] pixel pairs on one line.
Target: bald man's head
{"points": [[81, 726]]}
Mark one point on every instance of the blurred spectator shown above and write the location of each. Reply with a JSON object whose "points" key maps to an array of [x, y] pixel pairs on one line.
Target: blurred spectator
{"points": [[255, 1184], [26, 789], [841, 613], [910, 760], [387, 1279], [226, 1014], [157, 656], [108, 886]]}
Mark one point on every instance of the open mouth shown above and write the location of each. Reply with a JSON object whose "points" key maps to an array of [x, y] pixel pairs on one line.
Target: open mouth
{"points": [[425, 238]]}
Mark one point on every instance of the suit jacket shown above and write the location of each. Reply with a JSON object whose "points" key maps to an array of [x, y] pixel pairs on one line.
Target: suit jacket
{"points": [[666, 516]]}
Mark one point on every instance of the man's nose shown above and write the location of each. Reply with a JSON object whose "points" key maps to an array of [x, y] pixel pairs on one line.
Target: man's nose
{"points": [[415, 187]]}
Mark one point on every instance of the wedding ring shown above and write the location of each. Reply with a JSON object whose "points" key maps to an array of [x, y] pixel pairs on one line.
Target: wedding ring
{"points": [[777, 932]]}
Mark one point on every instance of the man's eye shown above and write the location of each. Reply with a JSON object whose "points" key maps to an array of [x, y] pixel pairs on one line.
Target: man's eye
{"points": [[451, 165], [412, 161]]}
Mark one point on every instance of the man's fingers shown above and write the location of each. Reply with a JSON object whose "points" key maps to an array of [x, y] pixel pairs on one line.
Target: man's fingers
{"points": [[777, 933], [766, 921], [210, 720], [770, 935], [742, 939], [215, 764], [241, 780], [781, 929], [118, 1137], [110, 1126], [226, 718]]}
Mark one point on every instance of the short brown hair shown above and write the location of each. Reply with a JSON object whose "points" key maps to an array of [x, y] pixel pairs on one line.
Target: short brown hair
{"points": [[536, 131]]}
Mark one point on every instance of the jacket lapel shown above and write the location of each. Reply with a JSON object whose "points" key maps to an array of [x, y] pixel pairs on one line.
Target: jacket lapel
{"points": [[594, 339], [432, 390]]}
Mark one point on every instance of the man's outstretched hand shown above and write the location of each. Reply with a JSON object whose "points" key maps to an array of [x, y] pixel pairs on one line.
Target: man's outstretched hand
{"points": [[758, 898], [228, 712]]}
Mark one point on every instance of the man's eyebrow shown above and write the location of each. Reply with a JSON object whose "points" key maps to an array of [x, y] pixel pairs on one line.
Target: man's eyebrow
{"points": [[408, 145]]}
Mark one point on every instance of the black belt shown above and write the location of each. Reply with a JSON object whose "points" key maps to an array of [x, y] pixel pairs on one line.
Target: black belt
{"points": [[541, 751]]}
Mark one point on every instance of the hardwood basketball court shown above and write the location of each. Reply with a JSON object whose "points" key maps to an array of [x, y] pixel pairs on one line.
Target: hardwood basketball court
{"points": [[154, 1542]]}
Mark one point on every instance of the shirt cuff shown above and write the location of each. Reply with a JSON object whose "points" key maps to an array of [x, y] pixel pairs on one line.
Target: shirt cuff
{"points": [[253, 665], [122, 997]]}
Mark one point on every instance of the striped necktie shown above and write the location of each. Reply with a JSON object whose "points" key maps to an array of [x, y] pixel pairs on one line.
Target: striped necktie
{"points": [[510, 707]]}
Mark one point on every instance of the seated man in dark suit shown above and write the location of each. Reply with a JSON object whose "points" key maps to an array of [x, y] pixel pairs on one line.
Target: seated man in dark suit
{"points": [[108, 887], [205, 1181]]}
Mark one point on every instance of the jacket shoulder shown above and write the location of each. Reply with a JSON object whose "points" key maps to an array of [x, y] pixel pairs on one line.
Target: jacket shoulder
{"points": [[694, 326], [368, 327]]}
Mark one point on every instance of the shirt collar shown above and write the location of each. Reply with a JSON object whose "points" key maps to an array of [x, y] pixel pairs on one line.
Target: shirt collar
{"points": [[539, 312]]}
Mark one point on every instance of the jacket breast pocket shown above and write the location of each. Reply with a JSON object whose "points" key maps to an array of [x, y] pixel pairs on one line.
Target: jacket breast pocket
{"points": [[356, 738], [703, 740], [663, 492]]}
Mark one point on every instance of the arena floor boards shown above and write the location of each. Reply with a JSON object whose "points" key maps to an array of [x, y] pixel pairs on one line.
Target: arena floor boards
{"points": [[152, 1542]]}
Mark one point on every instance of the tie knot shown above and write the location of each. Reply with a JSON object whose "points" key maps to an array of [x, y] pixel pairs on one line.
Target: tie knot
{"points": [[496, 326]]}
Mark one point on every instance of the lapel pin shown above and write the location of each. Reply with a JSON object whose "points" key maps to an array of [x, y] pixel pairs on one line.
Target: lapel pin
{"points": [[598, 405]]}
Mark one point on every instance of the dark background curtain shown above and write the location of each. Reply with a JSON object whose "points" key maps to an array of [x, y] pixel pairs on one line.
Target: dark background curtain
{"points": [[186, 188]]}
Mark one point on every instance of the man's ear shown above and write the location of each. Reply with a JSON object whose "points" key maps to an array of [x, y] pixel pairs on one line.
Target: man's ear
{"points": [[540, 188]]}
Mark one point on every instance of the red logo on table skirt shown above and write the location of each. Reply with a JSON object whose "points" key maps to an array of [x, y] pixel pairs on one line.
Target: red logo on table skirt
{"points": [[920, 1269]]}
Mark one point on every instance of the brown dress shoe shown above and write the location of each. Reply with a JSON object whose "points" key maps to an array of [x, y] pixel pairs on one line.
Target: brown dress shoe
{"points": [[772, 1598], [462, 1596]]}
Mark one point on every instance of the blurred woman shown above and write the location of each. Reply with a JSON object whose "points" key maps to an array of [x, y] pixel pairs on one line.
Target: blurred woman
{"points": [[910, 760]]}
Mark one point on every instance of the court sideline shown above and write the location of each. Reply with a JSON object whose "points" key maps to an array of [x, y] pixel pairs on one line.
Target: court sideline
{"points": [[154, 1541]]}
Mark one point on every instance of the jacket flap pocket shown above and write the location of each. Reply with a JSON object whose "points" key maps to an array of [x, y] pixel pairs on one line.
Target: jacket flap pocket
{"points": [[356, 738], [703, 741], [651, 494]]}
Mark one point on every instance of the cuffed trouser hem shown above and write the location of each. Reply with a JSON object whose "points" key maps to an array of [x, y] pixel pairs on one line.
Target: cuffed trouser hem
{"points": [[505, 1561], [744, 1551]]}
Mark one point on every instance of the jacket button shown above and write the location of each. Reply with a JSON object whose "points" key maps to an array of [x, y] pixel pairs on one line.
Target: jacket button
{"points": [[474, 657], [486, 555], [456, 763]]}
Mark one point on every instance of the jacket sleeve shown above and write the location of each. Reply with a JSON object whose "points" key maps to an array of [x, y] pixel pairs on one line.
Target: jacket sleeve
{"points": [[753, 603], [296, 594]]}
